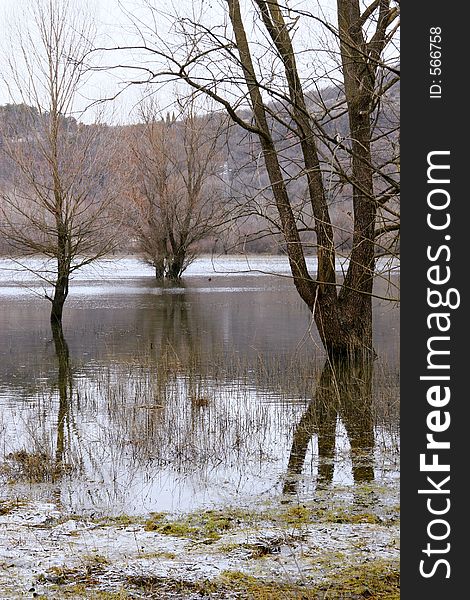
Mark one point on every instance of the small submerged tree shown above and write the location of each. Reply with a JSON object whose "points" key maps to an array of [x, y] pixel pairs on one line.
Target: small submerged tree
{"points": [[177, 194], [58, 207]]}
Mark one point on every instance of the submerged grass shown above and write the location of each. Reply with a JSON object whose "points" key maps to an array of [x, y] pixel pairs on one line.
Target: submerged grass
{"points": [[206, 525], [333, 506], [174, 412], [30, 466], [8, 505]]}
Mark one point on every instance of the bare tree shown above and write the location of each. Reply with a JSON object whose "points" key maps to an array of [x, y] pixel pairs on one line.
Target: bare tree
{"points": [[248, 64], [58, 207], [177, 192]]}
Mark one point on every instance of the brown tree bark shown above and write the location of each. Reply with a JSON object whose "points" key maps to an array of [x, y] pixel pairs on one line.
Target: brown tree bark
{"points": [[234, 69], [344, 319]]}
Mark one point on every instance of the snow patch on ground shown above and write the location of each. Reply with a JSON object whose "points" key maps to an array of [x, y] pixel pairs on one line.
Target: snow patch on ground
{"points": [[43, 549]]}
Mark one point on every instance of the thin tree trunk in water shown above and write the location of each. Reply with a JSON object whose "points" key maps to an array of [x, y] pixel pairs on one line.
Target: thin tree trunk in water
{"points": [[344, 320], [61, 288], [61, 291]]}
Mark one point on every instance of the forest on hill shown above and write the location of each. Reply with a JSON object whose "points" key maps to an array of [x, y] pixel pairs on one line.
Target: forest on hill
{"points": [[235, 210]]}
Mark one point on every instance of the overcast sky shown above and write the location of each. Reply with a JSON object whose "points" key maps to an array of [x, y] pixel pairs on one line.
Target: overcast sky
{"points": [[111, 23], [114, 28]]}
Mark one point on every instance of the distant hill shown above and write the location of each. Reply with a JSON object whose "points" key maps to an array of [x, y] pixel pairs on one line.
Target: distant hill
{"points": [[242, 168]]}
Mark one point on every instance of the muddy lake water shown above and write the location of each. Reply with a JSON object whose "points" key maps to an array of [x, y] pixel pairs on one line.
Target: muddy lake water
{"points": [[176, 397]]}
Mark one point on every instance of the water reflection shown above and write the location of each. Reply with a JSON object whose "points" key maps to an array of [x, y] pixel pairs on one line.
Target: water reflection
{"points": [[162, 398], [343, 391], [64, 384]]}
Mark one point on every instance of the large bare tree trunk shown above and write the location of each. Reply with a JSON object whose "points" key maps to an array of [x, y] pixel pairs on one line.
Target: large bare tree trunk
{"points": [[344, 320], [359, 86], [259, 68]]}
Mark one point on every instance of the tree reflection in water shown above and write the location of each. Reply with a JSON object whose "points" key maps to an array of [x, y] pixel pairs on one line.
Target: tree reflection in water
{"points": [[344, 391], [65, 393], [186, 395]]}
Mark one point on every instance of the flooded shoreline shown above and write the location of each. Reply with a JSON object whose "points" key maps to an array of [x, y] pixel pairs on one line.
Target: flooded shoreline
{"points": [[201, 422], [346, 547]]}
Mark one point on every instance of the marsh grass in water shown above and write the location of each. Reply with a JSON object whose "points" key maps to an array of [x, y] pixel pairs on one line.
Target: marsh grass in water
{"points": [[200, 428], [161, 420], [32, 467]]}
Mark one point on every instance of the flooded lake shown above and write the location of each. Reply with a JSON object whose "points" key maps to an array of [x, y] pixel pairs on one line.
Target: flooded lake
{"points": [[174, 398]]}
